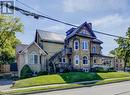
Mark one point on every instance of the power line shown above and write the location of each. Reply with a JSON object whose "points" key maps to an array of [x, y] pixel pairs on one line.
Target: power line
{"points": [[37, 16]]}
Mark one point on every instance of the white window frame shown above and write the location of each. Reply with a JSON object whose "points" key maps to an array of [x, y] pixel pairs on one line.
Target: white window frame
{"points": [[94, 51], [86, 59], [32, 58], [75, 45], [63, 59], [84, 45], [76, 58]]}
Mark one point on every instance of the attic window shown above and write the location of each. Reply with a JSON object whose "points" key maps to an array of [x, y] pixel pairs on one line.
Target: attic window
{"points": [[84, 31]]}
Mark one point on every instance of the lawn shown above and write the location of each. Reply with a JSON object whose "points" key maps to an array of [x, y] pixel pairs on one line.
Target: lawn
{"points": [[68, 78], [68, 86]]}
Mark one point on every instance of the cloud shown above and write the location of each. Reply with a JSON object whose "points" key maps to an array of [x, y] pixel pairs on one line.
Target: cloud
{"points": [[91, 5], [57, 28], [112, 24]]}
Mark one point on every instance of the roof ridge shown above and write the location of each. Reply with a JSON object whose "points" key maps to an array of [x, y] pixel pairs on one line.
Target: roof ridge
{"points": [[49, 31]]}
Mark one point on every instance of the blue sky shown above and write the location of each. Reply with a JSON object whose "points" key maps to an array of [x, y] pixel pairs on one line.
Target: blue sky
{"points": [[108, 16]]}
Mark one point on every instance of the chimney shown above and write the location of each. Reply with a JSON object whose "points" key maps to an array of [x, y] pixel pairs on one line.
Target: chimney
{"points": [[90, 24]]}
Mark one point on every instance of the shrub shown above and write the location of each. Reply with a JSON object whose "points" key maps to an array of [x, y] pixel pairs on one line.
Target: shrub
{"points": [[99, 69], [42, 73], [26, 72], [112, 69]]}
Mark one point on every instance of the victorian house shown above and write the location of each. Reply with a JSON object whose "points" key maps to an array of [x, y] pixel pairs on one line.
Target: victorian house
{"points": [[79, 49]]}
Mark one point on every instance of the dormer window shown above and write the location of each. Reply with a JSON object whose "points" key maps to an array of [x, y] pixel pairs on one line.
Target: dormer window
{"points": [[76, 45]]}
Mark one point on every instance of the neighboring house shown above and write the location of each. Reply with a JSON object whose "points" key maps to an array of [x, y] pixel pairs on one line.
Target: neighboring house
{"points": [[78, 50], [32, 55]]}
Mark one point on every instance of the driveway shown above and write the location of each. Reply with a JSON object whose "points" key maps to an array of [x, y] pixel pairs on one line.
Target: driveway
{"points": [[122, 88], [5, 84]]}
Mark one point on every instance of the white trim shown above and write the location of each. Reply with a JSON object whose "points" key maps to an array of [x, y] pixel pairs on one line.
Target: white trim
{"points": [[75, 44], [84, 45], [86, 59], [30, 45], [76, 58], [32, 61], [95, 49]]}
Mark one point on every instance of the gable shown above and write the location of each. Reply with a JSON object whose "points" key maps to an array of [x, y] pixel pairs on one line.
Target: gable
{"points": [[84, 29], [34, 47]]}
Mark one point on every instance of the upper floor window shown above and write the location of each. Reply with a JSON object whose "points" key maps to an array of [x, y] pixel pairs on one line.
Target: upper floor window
{"points": [[94, 49], [76, 59], [84, 45], [33, 58], [62, 60], [94, 61], [76, 45], [85, 60], [84, 31]]}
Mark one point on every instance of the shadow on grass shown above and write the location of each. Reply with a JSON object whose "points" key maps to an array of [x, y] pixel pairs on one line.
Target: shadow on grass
{"points": [[80, 76]]}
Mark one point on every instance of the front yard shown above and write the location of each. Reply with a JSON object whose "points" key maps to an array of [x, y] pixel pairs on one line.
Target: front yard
{"points": [[67, 78]]}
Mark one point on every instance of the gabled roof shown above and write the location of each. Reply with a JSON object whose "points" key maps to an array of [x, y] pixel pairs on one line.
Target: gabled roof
{"points": [[29, 46], [73, 31], [51, 36], [20, 47], [97, 41]]}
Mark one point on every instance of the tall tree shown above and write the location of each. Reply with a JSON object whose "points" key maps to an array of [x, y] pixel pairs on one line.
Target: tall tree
{"points": [[123, 49], [9, 26]]}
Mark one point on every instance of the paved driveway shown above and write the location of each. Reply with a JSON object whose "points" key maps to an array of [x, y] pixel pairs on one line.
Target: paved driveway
{"points": [[122, 88], [5, 84]]}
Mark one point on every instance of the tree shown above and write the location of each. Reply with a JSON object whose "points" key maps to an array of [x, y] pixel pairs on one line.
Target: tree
{"points": [[9, 26], [123, 49]]}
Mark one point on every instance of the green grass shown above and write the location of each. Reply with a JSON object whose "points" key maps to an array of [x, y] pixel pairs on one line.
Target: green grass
{"points": [[42, 89], [67, 78]]}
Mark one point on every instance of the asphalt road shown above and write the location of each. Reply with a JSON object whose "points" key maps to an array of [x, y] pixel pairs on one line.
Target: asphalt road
{"points": [[122, 88]]}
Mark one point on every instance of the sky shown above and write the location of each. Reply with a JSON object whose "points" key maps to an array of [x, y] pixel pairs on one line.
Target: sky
{"points": [[108, 16]]}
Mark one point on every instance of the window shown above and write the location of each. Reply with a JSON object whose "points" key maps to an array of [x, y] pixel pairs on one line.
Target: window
{"points": [[76, 59], [94, 61], [84, 31], [85, 60], [76, 44], [94, 49], [60, 60], [33, 58], [63, 60], [84, 45]]}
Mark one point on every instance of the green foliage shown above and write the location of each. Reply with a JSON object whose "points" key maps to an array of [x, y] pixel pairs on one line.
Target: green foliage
{"points": [[123, 49], [42, 73], [68, 78], [9, 26], [99, 69], [26, 72]]}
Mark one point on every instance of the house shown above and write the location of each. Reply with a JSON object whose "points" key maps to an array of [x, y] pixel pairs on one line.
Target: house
{"points": [[79, 49]]}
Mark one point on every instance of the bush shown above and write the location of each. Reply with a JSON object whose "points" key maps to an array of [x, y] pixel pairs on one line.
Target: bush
{"points": [[42, 73], [26, 72], [112, 69], [99, 69]]}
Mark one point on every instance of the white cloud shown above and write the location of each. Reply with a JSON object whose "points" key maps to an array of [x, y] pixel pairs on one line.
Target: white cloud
{"points": [[112, 24], [91, 5], [57, 28]]}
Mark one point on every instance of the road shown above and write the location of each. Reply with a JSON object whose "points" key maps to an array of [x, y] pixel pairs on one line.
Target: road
{"points": [[122, 88]]}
